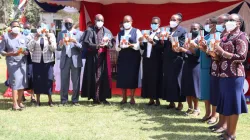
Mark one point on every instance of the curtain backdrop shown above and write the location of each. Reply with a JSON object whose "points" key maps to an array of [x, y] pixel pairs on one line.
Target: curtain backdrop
{"points": [[143, 13]]}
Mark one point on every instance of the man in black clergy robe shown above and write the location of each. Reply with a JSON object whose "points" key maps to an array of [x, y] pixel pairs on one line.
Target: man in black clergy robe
{"points": [[97, 80]]}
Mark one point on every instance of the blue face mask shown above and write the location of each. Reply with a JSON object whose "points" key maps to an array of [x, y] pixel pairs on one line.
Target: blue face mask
{"points": [[220, 28], [154, 26], [26, 32], [207, 28]]}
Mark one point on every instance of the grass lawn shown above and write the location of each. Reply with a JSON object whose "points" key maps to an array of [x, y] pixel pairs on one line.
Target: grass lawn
{"points": [[99, 122]]}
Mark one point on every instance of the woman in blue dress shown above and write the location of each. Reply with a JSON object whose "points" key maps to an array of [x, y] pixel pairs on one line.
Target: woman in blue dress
{"points": [[233, 52], [13, 48], [190, 86], [205, 63]]}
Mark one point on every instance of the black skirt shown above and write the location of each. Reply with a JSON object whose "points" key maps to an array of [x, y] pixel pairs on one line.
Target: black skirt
{"points": [[172, 73], [128, 68], [191, 79], [43, 78], [152, 78]]}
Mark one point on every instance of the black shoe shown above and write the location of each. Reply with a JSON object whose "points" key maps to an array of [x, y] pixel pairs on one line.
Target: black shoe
{"points": [[150, 103], [106, 102], [33, 101], [96, 102], [76, 104], [38, 104], [63, 104], [50, 104], [123, 102]]}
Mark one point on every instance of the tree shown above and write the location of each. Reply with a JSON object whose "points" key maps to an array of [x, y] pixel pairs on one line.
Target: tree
{"points": [[31, 12], [6, 10]]}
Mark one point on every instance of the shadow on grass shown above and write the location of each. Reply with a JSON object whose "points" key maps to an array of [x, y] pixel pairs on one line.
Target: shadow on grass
{"points": [[2, 88], [5, 104], [173, 136], [173, 122]]}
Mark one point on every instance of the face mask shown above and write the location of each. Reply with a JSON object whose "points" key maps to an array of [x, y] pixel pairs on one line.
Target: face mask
{"points": [[68, 25], [173, 24], [220, 28], [127, 25], [154, 26], [26, 32], [121, 28], [230, 26], [194, 33], [99, 24], [16, 30], [207, 28]]}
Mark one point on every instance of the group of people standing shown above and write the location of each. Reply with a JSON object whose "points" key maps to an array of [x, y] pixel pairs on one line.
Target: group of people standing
{"points": [[176, 67]]}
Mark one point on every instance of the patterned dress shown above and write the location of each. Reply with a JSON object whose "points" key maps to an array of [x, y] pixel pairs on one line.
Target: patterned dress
{"points": [[232, 74]]}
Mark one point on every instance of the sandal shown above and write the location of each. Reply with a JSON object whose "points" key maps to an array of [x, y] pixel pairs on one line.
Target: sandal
{"points": [[231, 137], [204, 119], [189, 112], [219, 130], [212, 120], [223, 136], [196, 113], [17, 109], [21, 106], [213, 127], [132, 102]]}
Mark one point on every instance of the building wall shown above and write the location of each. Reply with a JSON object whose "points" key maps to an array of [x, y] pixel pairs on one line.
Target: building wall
{"points": [[50, 18]]}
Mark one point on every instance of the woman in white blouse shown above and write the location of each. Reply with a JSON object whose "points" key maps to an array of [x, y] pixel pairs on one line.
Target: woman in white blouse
{"points": [[127, 43], [42, 47]]}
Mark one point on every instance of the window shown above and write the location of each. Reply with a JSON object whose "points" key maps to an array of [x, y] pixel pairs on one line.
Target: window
{"points": [[58, 23]]}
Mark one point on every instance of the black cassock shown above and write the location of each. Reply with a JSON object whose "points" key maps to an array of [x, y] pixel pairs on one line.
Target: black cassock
{"points": [[172, 69], [96, 83], [152, 70]]}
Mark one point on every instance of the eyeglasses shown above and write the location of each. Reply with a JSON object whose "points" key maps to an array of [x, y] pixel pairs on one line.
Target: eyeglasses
{"points": [[15, 26], [99, 20], [154, 23]]}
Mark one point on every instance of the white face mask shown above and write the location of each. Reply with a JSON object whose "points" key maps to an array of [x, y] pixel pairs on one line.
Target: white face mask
{"points": [[207, 28], [230, 25], [173, 24], [16, 30], [127, 25], [99, 24]]}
